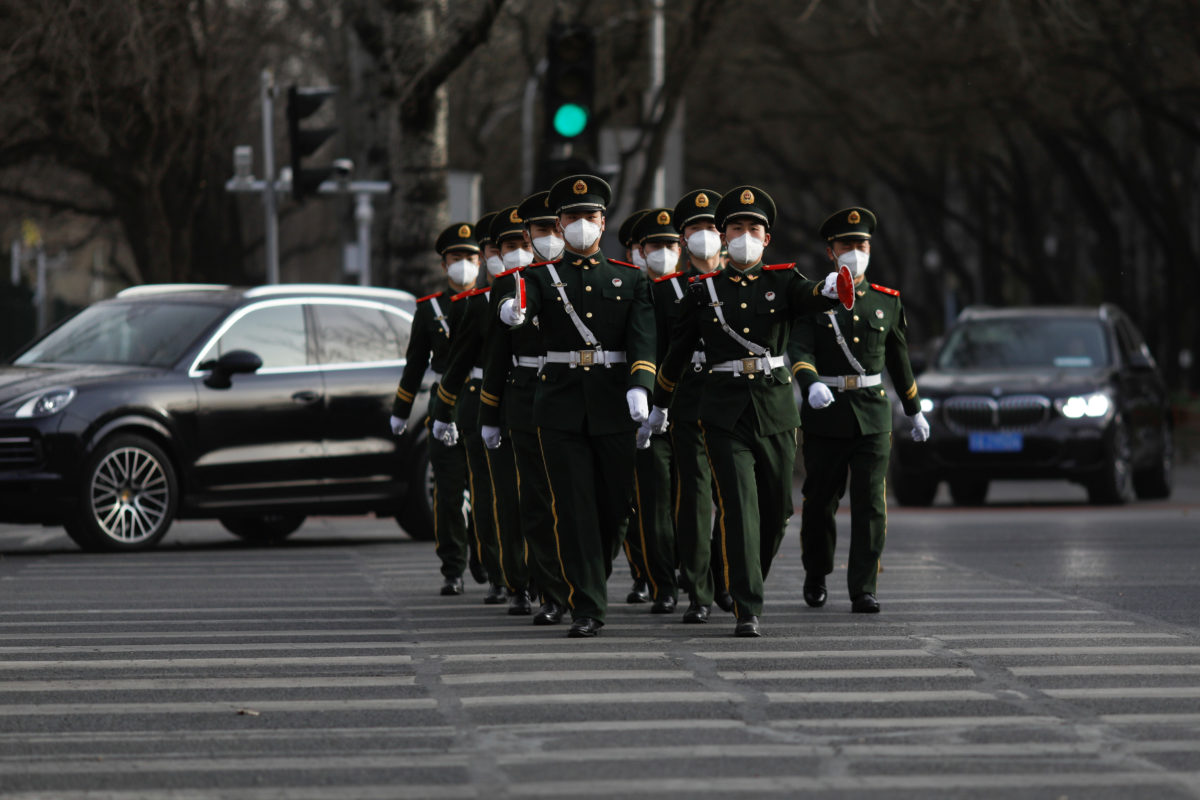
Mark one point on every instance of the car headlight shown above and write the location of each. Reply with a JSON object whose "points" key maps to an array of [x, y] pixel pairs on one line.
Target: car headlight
{"points": [[45, 403], [926, 405], [1094, 405]]}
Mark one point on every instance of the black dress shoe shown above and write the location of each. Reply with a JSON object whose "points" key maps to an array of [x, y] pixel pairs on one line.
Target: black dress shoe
{"points": [[814, 591], [495, 595], [640, 593], [746, 626], [475, 567], [865, 604], [584, 628], [695, 613], [518, 603], [452, 586], [551, 613], [724, 601], [663, 605]]}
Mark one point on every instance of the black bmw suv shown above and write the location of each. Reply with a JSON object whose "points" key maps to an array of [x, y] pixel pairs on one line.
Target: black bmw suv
{"points": [[253, 406], [1032, 393]]}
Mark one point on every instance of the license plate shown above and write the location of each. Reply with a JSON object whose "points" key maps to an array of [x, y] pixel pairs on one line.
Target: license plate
{"points": [[995, 442]]}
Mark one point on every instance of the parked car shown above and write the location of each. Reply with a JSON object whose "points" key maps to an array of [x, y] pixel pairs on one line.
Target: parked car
{"points": [[1032, 393], [254, 406]]}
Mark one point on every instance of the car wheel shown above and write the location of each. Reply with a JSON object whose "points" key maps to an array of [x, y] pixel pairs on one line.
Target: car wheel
{"points": [[968, 492], [1156, 481], [128, 495], [263, 528], [1114, 484], [416, 512], [913, 490]]}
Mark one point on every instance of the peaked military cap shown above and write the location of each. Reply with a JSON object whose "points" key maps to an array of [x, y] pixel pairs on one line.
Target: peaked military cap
{"points": [[849, 223], [655, 226], [505, 224], [536, 208], [459, 236], [745, 201], [580, 193], [625, 232], [483, 228], [695, 206]]}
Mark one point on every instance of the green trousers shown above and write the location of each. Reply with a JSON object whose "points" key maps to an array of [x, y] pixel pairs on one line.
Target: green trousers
{"points": [[512, 553], [752, 479], [537, 521], [700, 568], [591, 495], [653, 527], [449, 466], [828, 461], [483, 514]]}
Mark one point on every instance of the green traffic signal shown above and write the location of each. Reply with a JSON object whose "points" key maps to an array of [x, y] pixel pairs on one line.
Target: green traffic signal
{"points": [[570, 120]]}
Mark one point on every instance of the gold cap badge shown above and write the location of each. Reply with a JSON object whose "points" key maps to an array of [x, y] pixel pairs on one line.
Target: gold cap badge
{"points": [[579, 188], [512, 216], [664, 218], [702, 200], [464, 231], [747, 197], [854, 218]]}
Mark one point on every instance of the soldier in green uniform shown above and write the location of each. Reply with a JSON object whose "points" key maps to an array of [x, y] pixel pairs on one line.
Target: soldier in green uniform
{"points": [[434, 321], [848, 417], [741, 318], [597, 323], [510, 378]]}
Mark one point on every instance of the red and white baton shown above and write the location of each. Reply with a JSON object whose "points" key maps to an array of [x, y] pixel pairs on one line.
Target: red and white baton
{"points": [[845, 287]]}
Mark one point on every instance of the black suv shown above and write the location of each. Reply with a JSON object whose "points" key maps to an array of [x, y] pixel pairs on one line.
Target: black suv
{"points": [[1031, 393], [254, 406]]}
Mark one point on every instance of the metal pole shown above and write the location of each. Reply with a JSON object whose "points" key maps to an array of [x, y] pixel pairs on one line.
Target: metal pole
{"points": [[658, 190], [528, 167], [271, 219], [15, 269], [40, 294], [363, 214]]}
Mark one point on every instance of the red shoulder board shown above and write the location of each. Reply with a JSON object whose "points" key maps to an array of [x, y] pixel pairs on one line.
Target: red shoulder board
{"points": [[885, 290], [779, 266], [541, 263], [695, 278], [512, 271], [625, 264], [662, 278], [469, 293], [428, 297]]}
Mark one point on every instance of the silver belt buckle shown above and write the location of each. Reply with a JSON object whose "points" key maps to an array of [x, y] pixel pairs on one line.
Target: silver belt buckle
{"points": [[749, 366], [587, 358], [850, 381]]}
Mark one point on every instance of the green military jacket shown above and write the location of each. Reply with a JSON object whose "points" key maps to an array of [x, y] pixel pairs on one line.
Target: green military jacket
{"points": [[670, 293], [613, 300], [435, 321], [508, 390], [466, 350], [874, 331], [760, 304]]}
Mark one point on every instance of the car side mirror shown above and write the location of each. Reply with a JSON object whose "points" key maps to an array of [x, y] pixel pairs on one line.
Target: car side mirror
{"points": [[235, 362]]}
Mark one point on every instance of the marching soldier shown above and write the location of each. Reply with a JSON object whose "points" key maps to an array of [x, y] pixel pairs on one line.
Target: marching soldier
{"points": [[428, 346], [597, 322], [844, 351], [741, 318]]}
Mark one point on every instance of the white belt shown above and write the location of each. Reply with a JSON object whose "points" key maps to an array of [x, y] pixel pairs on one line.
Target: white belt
{"points": [[528, 361], [585, 358], [476, 373], [844, 382], [698, 361], [749, 366]]}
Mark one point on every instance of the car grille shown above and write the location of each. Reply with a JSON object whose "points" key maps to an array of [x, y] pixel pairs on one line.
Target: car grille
{"points": [[1014, 413], [18, 451]]}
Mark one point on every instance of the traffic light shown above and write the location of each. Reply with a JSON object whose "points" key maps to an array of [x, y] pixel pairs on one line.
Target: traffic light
{"points": [[303, 102], [570, 87]]}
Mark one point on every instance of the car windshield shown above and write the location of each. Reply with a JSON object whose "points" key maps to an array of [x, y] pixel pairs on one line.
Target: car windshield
{"points": [[147, 334], [1026, 342]]}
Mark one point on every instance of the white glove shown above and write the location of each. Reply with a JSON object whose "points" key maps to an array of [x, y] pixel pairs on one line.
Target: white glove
{"points": [[830, 288], [639, 403], [658, 420], [920, 429], [446, 432], [490, 435], [398, 425], [643, 436], [511, 313], [819, 395]]}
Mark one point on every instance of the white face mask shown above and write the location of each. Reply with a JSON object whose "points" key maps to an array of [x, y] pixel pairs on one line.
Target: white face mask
{"points": [[495, 265], [582, 234], [550, 248], [704, 244], [639, 260], [662, 261], [517, 258], [463, 272], [856, 261], [746, 249]]}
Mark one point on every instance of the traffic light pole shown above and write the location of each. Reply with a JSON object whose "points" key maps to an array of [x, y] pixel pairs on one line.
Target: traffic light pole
{"points": [[270, 209]]}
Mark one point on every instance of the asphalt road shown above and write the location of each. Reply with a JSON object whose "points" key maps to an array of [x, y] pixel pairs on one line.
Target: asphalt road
{"points": [[1038, 647]]}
